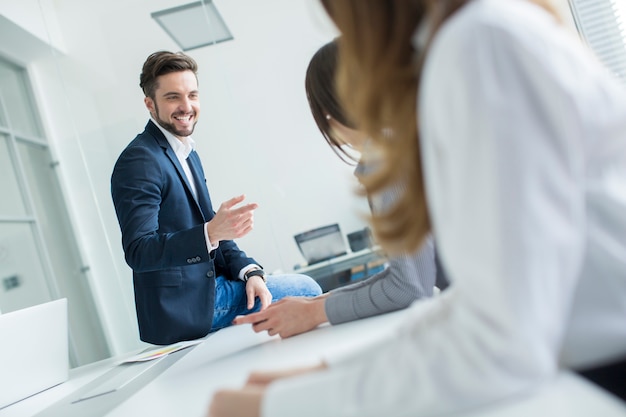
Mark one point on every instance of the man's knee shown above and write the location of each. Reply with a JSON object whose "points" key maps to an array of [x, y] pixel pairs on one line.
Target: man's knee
{"points": [[293, 285]]}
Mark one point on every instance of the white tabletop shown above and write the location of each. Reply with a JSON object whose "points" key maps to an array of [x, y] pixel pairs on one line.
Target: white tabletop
{"points": [[225, 359]]}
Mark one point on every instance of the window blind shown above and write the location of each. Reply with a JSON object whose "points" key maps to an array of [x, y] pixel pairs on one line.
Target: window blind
{"points": [[601, 25]]}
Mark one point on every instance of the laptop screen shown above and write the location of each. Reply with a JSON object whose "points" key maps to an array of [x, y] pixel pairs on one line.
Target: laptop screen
{"points": [[321, 244]]}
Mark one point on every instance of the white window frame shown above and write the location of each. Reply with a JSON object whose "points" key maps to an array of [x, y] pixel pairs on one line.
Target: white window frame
{"points": [[602, 25]]}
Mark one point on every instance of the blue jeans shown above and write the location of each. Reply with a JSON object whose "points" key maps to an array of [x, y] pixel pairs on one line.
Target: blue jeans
{"points": [[231, 299]]}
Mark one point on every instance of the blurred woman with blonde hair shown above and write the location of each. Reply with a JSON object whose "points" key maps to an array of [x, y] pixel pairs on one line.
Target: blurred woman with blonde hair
{"points": [[512, 139]]}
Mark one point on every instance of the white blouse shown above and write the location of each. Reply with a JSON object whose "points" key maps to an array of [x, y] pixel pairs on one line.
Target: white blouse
{"points": [[524, 145]]}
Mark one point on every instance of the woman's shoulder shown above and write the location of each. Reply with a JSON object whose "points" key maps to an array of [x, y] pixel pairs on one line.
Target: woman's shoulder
{"points": [[483, 22]]}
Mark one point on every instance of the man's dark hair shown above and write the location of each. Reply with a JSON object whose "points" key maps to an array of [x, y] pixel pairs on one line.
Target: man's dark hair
{"points": [[161, 63]]}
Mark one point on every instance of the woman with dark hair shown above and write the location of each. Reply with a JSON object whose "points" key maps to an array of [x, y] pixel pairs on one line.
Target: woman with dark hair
{"points": [[407, 278], [510, 137]]}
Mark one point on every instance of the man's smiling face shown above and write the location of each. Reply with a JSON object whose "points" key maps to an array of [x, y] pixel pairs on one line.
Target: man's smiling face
{"points": [[176, 103]]}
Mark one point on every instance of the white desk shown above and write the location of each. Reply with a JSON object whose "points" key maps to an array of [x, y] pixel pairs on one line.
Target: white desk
{"points": [[226, 358]]}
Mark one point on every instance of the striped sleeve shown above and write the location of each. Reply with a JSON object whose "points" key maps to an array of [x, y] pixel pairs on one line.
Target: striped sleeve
{"points": [[406, 279]]}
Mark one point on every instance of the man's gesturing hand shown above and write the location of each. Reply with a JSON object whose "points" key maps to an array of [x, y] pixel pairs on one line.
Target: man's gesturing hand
{"points": [[231, 222]]}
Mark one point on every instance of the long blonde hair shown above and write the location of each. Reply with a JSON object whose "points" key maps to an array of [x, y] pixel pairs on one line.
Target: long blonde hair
{"points": [[378, 80]]}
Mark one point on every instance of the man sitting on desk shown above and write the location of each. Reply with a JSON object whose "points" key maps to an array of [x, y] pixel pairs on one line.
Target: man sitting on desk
{"points": [[190, 278], [407, 278]]}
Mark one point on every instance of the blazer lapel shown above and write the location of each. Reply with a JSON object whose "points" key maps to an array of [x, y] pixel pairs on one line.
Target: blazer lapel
{"points": [[203, 193]]}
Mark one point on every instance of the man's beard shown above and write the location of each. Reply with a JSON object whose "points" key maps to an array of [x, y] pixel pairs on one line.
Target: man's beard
{"points": [[170, 127]]}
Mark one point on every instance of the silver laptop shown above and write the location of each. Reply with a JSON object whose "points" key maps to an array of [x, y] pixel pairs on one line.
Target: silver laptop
{"points": [[33, 350], [321, 244]]}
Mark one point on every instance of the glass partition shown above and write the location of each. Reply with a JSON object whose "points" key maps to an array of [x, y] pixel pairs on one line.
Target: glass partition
{"points": [[40, 258], [23, 282], [12, 202], [70, 272], [18, 106]]}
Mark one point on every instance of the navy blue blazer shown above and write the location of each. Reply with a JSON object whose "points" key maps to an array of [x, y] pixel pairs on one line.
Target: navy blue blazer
{"points": [[162, 228]]}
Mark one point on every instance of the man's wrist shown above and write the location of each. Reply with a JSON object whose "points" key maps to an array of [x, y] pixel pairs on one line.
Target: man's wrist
{"points": [[254, 273], [207, 237]]}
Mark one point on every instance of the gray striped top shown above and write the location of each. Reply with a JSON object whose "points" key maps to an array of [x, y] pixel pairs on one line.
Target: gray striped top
{"points": [[405, 279]]}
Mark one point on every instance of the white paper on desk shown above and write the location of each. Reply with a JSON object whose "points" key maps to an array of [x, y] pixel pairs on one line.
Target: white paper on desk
{"points": [[161, 351]]}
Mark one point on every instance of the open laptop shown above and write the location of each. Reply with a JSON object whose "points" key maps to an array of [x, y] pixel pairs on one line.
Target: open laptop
{"points": [[321, 244], [33, 350]]}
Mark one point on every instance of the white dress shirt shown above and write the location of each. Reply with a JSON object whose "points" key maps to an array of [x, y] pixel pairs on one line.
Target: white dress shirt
{"points": [[523, 137], [182, 148]]}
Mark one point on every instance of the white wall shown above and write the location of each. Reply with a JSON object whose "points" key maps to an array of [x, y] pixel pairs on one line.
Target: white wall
{"points": [[26, 20]]}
